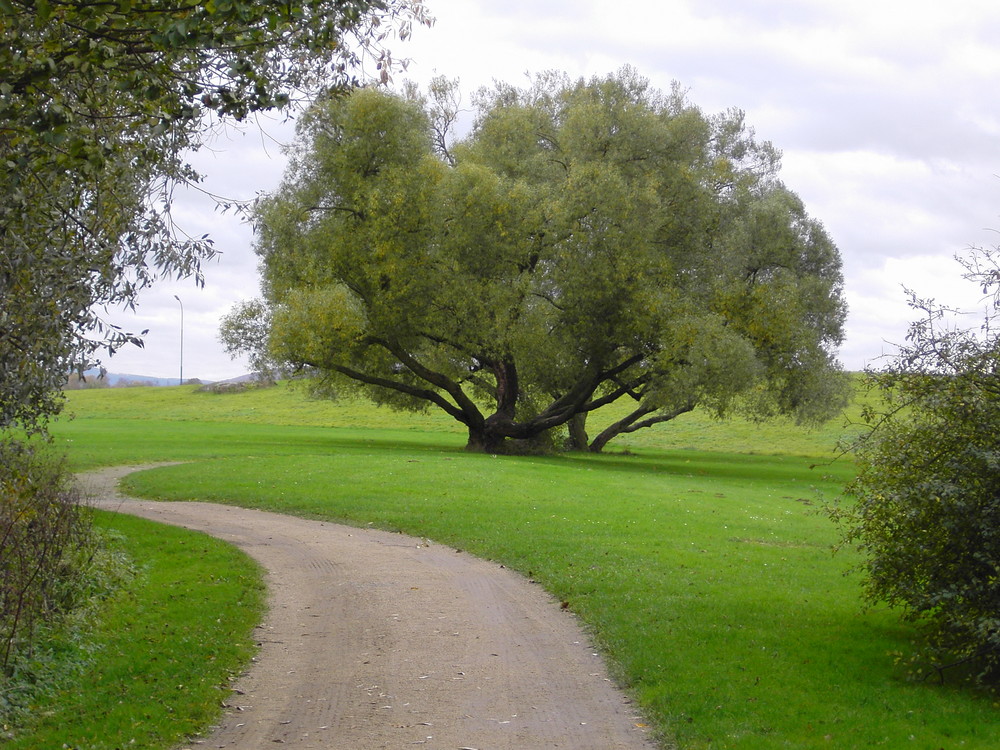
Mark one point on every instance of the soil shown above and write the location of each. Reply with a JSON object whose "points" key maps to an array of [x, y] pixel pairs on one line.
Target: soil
{"points": [[379, 640]]}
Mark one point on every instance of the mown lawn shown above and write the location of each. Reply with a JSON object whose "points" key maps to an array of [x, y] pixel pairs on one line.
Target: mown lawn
{"points": [[700, 559], [156, 666]]}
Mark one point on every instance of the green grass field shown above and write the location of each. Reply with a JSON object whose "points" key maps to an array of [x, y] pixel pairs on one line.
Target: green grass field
{"points": [[699, 559]]}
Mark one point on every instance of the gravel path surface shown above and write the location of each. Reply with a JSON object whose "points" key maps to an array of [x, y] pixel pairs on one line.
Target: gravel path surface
{"points": [[379, 640]]}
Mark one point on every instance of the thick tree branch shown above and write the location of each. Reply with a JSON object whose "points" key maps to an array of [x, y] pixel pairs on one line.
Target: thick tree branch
{"points": [[563, 408], [659, 418], [394, 385], [442, 381], [624, 389], [635, 421]]}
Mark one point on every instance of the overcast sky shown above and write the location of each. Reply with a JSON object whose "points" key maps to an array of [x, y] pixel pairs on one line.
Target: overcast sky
{"points": [[886, 113]]}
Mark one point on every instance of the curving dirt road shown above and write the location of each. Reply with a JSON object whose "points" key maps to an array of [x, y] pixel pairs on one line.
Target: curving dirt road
{"points": [[378, 640]]}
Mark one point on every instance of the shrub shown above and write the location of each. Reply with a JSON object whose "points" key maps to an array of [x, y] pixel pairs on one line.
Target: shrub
{"points": [[927, 510], [45, 545]]}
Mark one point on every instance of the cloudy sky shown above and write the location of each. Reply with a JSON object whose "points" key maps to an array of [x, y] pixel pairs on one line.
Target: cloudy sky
{"points": [[886, 113]]}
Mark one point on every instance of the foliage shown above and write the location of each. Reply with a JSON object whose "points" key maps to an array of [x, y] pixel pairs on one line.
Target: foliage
{"points": [[927, 511], [57, 650], [99, 102], [153, 664], [588, 241]]}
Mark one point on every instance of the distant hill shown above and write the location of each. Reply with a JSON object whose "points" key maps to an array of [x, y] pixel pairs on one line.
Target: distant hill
{"points": [[117, 380], [94, 379], [123, 380]]}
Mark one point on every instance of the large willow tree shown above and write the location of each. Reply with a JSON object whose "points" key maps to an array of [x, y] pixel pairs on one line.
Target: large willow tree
{"points": [[586, 242]]}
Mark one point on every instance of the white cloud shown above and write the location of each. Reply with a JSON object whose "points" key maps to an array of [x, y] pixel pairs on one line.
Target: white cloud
{"points": [[880, 313], [884, 111]]}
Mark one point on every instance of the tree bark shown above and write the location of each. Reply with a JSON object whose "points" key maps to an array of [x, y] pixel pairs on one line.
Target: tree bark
{"points": [[578, 438], [618, 427], [632, 422], [485, 438]]}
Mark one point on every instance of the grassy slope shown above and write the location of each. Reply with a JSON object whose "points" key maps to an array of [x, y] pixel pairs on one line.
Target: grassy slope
{"points": [[287, 405], [705, 574]]}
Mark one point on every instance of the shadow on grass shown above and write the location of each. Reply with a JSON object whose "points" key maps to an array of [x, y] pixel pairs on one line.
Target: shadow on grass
{"points": [[709, 463]]}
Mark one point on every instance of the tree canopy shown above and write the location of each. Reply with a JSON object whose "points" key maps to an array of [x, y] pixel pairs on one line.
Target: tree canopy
{"points": [[925, 507], [99, 102], [588, 241]]}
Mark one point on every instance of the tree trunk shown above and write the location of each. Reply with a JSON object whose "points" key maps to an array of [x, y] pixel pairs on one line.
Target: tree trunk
{"points": [[485, 439], [578, 438], [497, 435]]}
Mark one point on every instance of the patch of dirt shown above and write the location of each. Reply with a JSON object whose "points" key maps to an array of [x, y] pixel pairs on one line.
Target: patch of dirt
{"points": [[379, 640]]}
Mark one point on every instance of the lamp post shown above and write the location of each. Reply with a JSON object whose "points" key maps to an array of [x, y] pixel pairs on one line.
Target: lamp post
{"points": [[182, 338]]}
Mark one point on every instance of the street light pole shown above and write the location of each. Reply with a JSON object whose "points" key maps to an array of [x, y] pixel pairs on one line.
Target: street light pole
{"points": [[182, 338]]}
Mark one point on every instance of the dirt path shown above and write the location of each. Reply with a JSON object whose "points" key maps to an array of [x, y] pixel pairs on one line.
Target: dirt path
{"points": [[378, 640]]}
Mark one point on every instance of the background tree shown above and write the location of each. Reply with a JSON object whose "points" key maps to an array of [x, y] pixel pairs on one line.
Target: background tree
{"points": [[99, 103], [587, 241], [926, 501]]}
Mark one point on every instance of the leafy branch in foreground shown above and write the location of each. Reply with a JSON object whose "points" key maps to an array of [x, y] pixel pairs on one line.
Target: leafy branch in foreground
{"points": [[99, 103]]}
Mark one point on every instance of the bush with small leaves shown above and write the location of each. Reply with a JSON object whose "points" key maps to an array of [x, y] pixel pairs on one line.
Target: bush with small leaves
{"points": [[926, 510]]}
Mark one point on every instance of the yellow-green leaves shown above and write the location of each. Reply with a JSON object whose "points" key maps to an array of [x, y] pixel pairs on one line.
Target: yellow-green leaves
{"points": [[317, 325]]}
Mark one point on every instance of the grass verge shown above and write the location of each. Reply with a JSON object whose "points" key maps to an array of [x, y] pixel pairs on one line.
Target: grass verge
{"points": [[154, 668], [706, 578]]}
